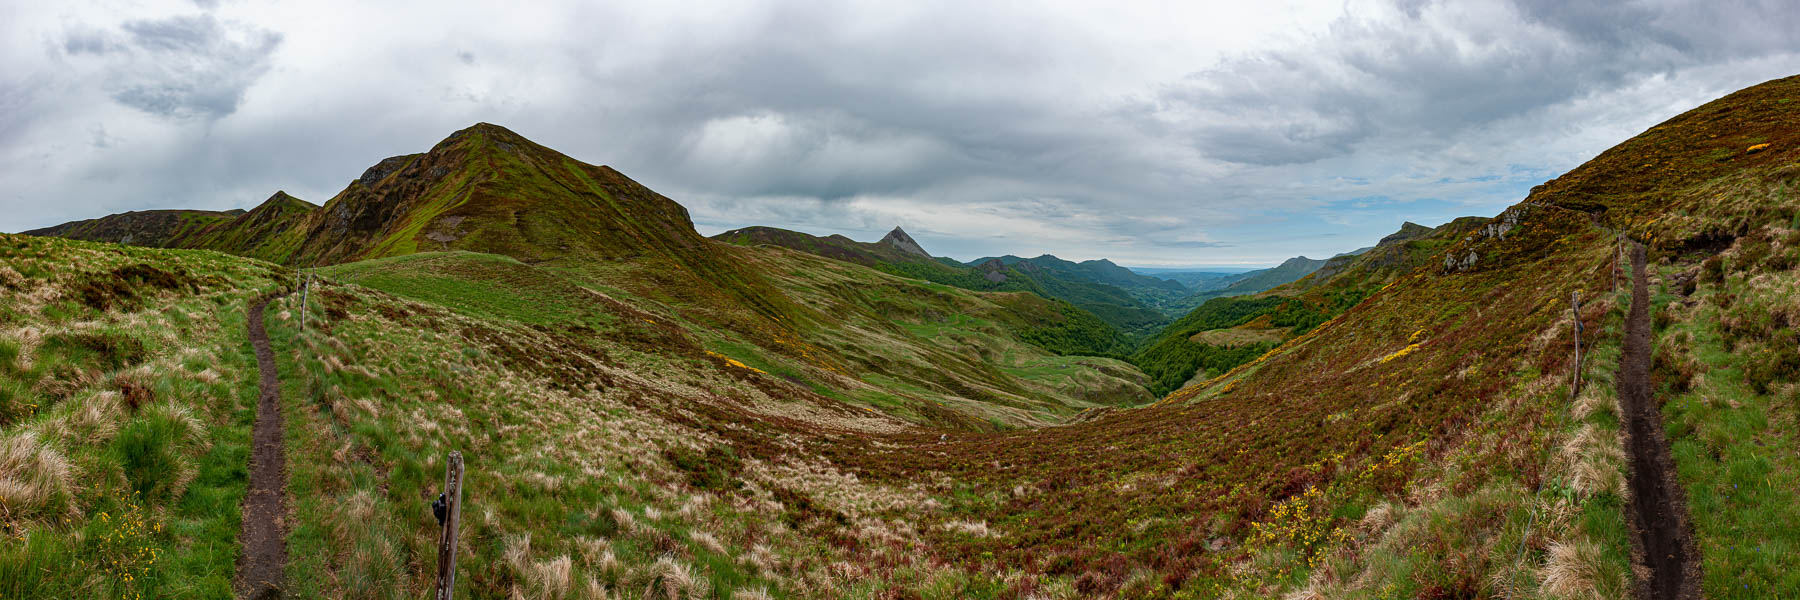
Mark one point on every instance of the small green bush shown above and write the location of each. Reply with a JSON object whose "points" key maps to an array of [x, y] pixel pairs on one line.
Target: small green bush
{"points": [[105, 349], [716, 469], [149, 449], [1712, 270], [9, 355], [17, 401], [1780, 364]]}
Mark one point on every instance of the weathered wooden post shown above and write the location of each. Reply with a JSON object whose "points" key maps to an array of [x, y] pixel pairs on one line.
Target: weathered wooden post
{"points": [[305, 286], [446, 574], [1618, 248], [1575, 308]]}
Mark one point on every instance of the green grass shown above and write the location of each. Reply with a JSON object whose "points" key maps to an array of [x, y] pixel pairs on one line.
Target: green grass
{"points": [[478, 285], [148, 400], [1736, 451]]}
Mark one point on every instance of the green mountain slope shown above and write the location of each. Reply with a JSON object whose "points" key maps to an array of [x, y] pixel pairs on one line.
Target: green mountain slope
{"points": [[1256, 282], [273, 231], [1226, 332], [1077, 285]]}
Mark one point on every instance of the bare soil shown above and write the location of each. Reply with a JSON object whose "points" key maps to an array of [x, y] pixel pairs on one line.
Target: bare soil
{"points": [[1667, 559], [264, 556]]}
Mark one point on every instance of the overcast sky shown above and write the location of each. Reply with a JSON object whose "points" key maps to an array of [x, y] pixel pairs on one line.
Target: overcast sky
{"points": [[1153, 134]]}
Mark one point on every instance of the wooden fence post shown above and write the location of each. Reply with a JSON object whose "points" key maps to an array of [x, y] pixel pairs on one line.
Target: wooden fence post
{"points": [[446, 574], [1575, 308], [1618, 247], [305, 286]]}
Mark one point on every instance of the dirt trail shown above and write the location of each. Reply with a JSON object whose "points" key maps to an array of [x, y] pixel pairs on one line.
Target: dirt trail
{"points": [[264, 557], [1665, 543]]}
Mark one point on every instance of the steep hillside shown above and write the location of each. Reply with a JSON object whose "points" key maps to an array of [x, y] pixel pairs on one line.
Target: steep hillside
{"points": [[1255, 282], [1447, 350], [273, 231], [1226, 332]]}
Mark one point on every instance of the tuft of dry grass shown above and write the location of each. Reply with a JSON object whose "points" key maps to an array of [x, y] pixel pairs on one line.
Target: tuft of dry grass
{"points": [[33, 475], [1574, 570], [91, 420], [706, 540], [757, 593], [608, 570], [552, 578], [1594, 456], [1594, 401], [972, 528], [1379, 518], [671, 580]]}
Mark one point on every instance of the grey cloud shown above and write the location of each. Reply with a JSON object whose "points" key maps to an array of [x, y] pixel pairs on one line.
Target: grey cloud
{"points": [[179, 67], [91, 41], [1438, 71], [1003, 130]]}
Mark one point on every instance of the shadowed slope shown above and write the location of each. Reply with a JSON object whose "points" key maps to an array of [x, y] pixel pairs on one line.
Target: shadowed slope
{"points": [[152, 228]]}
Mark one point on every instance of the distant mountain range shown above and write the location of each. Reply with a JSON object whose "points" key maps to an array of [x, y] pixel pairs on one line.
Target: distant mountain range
{"points": [[1136, 303], [1093, 271], [898, 254]]}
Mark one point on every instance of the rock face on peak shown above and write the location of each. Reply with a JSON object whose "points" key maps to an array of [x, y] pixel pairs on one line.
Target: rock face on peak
{"points": [[993, 270], [898, 239]]}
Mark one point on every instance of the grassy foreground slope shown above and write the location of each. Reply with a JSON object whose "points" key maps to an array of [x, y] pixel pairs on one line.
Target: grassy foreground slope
{"points": [[126, 390], [1715, 192]]}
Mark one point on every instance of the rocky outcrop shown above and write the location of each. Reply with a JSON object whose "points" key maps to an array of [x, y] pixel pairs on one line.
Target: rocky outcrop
{"points": [[898, 239], [1458, 262]]}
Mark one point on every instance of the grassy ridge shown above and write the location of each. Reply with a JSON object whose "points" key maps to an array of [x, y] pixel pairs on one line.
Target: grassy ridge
{"points": [[919, 352]]}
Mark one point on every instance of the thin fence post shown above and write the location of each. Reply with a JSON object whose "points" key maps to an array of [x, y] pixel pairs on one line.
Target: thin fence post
{"points": [[1617, 249], [1575, 308], [446, 574], [305, 286]]}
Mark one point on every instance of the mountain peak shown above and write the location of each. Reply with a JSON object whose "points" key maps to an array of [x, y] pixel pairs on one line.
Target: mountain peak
{"points": [[281, 200], [1408, 230], [898, 239]]}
